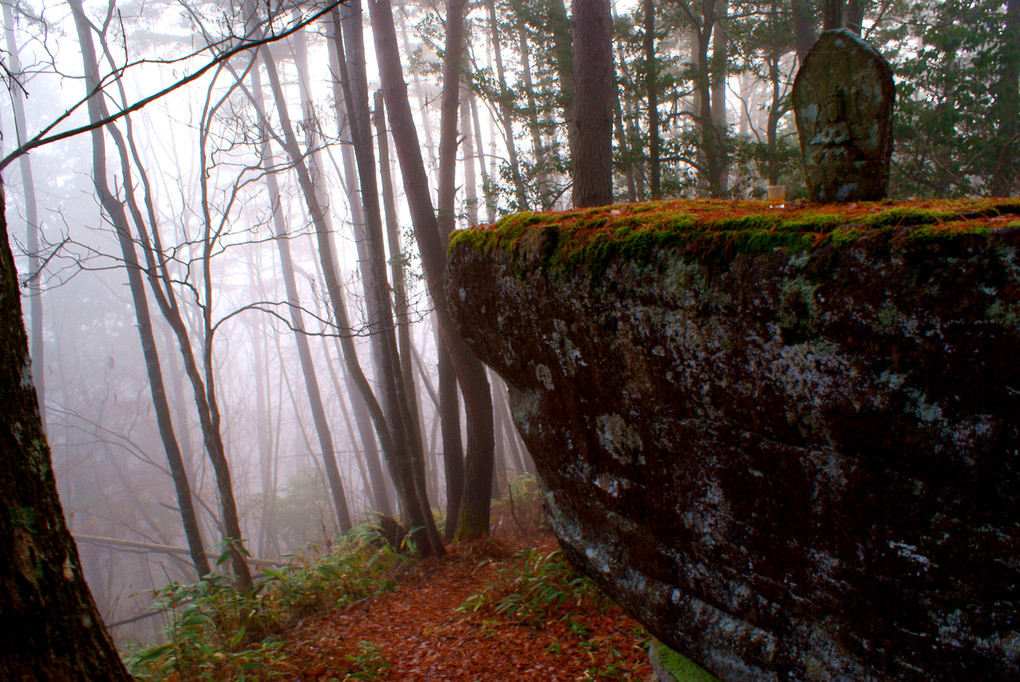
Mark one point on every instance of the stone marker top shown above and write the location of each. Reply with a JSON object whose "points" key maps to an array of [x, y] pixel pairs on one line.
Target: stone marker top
{"points": [[843, 100]]}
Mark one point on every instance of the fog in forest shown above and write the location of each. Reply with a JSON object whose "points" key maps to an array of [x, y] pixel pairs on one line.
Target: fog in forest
{"points": [[235, 202]]}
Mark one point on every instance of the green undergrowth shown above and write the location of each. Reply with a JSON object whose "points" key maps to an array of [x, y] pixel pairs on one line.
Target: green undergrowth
{"points": [[533, 587], [519, 510], [539, 589], [215, 631], [718, 230]]}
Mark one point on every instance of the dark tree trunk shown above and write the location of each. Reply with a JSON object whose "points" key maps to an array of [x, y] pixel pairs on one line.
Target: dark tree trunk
{"points": [[652, 92], [832, 16], [712, 148], [474, 518], [401, 304], [399, 401], [803, 27], [448, 396], [853, 17], [52, 628], [593, 103], [453, 447]]}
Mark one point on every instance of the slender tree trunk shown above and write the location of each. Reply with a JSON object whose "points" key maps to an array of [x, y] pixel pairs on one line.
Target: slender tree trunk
{"points": [[652, 93], [720, 46], [772, 129], [538, 149], [1006, 169], [116, 213], [624, 139], [52, 628], [399, 400], [282, 239], [399, 461], [422, 98], [474, 517], [265, 448], [711, 141], [161, 284], [487, 192], [468, 159], [593, 102], [32, 227], [453, 447], [503, 109], [563, 45], [401, 305]]}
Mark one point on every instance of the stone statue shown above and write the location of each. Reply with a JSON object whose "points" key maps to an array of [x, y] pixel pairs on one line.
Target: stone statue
{"points": [[843, 100]]}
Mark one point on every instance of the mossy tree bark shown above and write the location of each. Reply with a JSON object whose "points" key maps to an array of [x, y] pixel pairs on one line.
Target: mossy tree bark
{"points": [[52, 628]]}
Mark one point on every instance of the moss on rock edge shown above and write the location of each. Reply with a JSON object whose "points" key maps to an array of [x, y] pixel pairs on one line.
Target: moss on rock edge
{"points": [[718, 230]]}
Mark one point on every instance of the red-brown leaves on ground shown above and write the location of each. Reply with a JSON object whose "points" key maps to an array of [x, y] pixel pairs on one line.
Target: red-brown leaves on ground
{"points": [[454, 618]]}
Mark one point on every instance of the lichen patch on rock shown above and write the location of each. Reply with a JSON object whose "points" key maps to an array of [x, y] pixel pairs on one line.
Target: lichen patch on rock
{"points": [[784, 441]]}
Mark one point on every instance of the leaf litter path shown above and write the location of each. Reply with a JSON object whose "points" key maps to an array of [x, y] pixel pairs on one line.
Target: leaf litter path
{"points": [[421, 634]]}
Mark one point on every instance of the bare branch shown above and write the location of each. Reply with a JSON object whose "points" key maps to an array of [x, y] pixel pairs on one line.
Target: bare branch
{"points": [[42, 138]]}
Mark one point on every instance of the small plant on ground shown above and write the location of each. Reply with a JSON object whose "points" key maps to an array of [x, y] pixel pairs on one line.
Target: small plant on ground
{"points": [[368, 661], [542, 591], [534, 586], [520, 511], [215, 631]]}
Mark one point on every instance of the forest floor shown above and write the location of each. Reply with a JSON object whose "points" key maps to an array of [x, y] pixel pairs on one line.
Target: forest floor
{"points": [[479, 613]]}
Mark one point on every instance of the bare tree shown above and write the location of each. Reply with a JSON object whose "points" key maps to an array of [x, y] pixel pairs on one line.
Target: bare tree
{"points": [[399, 399], [115, 211], [474, 515], [32, 227], [282, 239]]}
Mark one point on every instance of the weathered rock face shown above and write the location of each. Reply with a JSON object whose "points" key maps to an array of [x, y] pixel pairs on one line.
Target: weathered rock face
{"points": [[788, 463], [843, 103]]}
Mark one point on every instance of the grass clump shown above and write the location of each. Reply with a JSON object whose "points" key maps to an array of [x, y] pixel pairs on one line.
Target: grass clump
{"points": [[540, 590], [532, 590], [215, 631]]}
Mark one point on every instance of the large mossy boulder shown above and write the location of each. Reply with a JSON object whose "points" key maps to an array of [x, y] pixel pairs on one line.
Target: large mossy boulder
{"points": [[787, 442]]}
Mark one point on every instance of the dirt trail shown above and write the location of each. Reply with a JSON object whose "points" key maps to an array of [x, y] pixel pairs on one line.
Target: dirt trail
{"points": [[422, 636]]}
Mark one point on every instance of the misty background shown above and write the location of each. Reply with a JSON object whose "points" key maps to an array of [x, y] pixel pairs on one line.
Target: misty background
{"points": [[215, 190]]}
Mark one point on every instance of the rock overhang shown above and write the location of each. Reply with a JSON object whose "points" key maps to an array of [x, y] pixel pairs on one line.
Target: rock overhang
{"points": [[778, 437]]}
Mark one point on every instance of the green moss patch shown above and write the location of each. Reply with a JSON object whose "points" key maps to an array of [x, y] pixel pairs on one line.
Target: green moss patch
{"points": [[716, 229]]}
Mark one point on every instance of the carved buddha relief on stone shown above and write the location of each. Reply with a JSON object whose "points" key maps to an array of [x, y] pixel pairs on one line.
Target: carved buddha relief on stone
{"points": [[843, 97]]}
